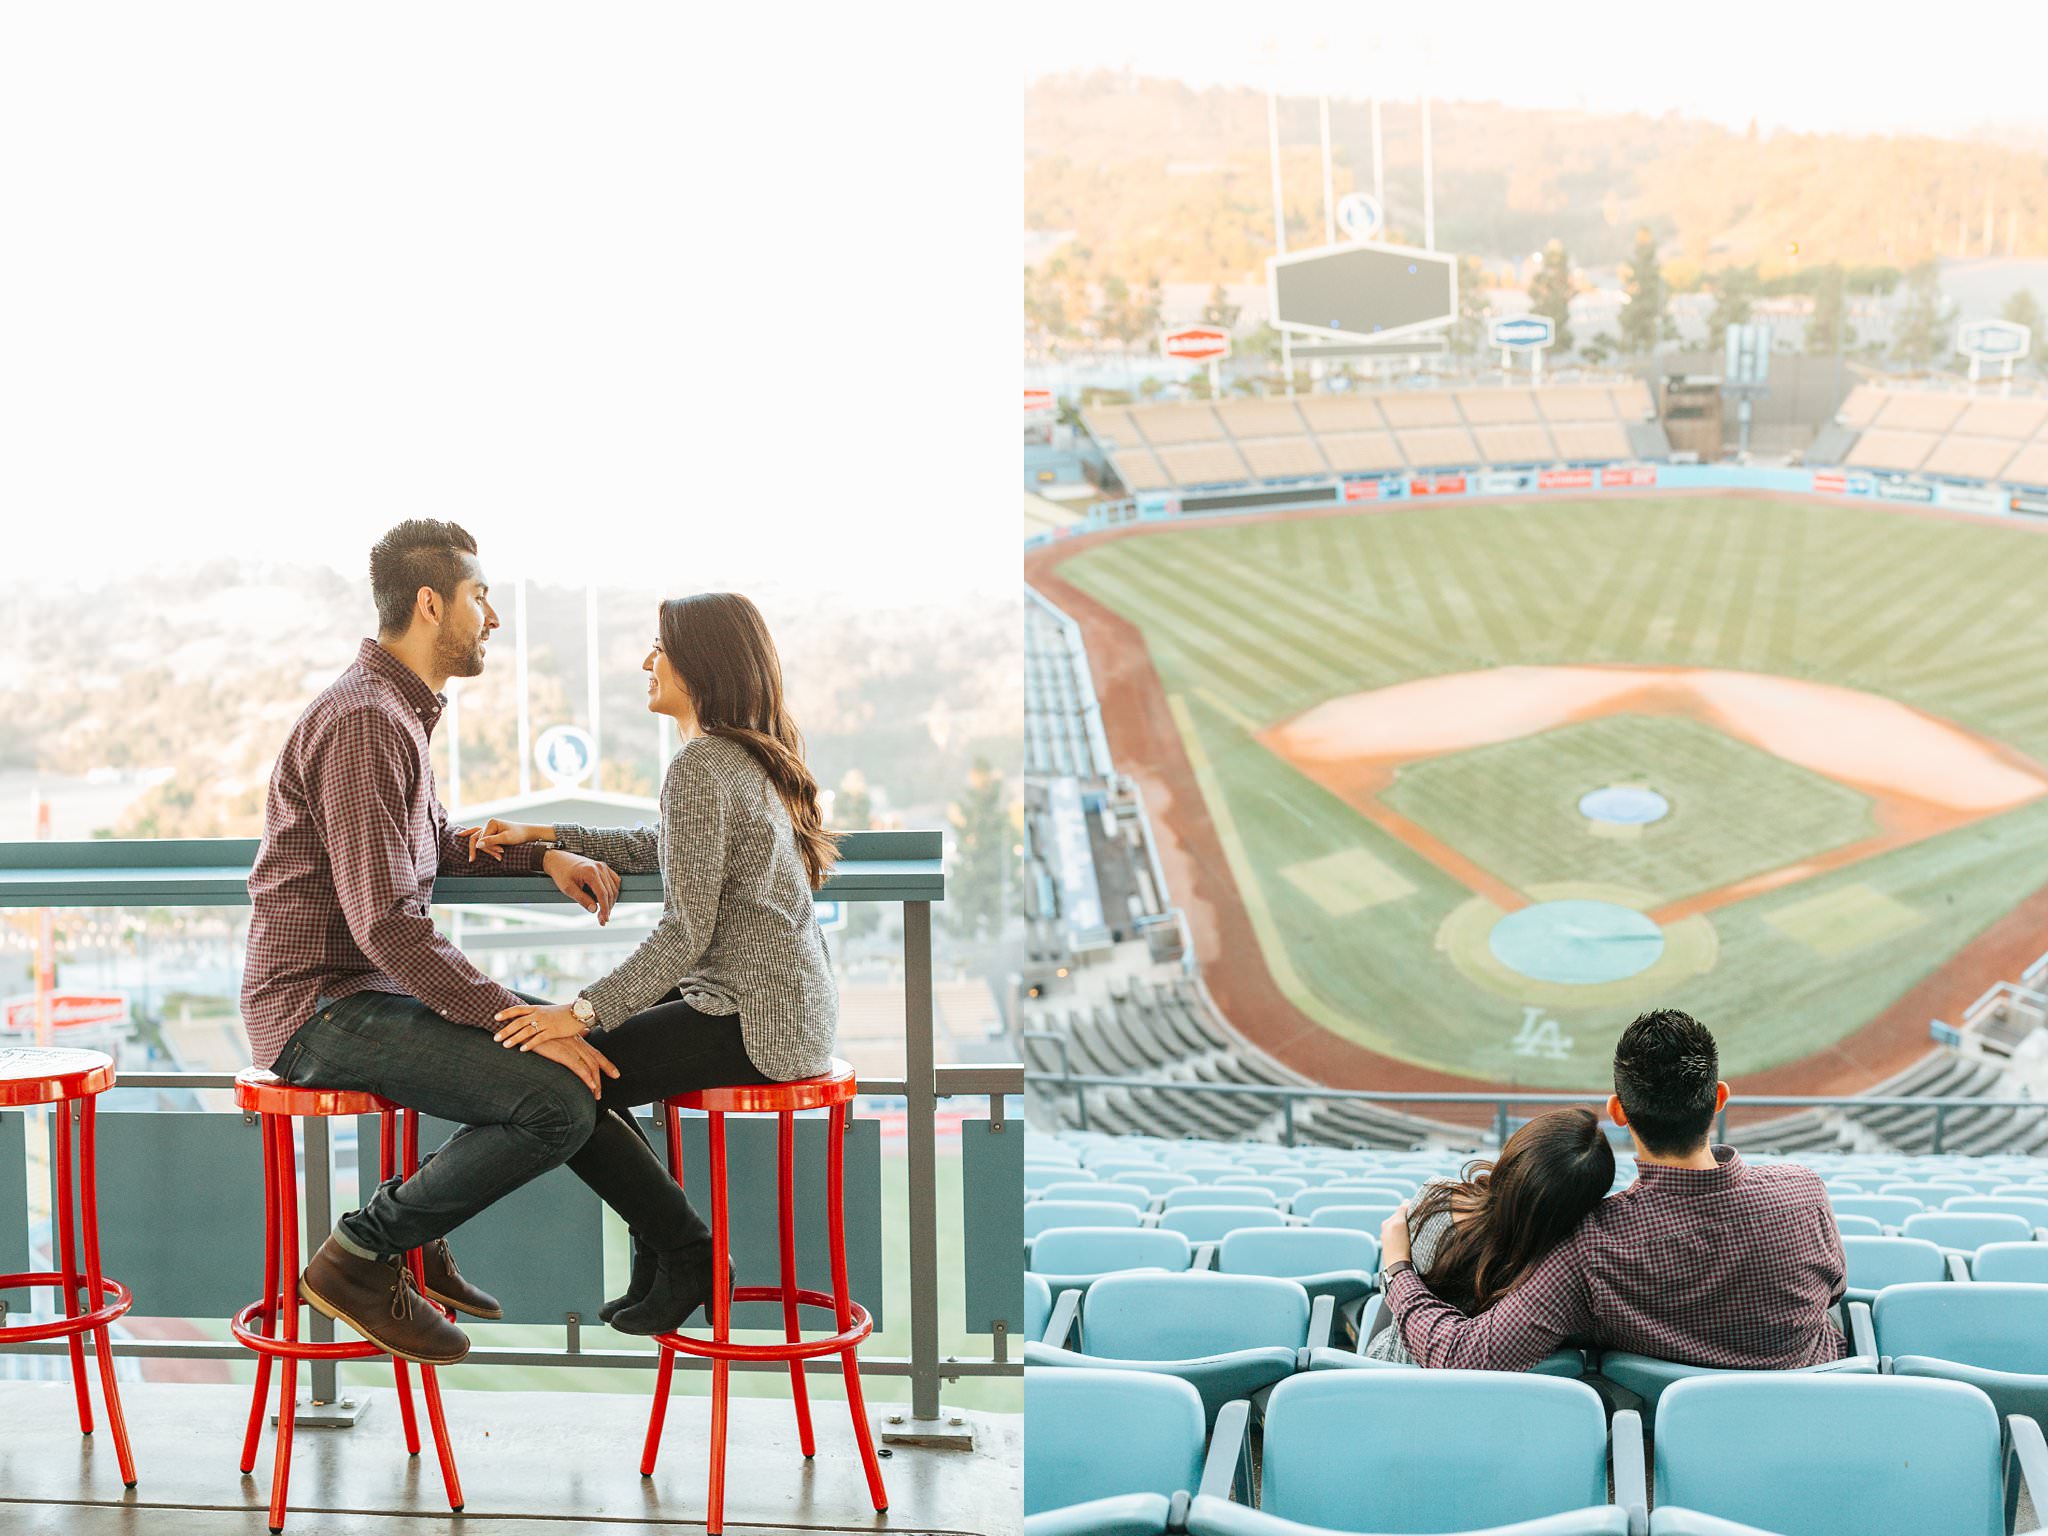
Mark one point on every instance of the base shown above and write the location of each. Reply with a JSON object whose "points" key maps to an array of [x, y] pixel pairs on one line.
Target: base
{"points": [[950, 1431], [342, 1413]]}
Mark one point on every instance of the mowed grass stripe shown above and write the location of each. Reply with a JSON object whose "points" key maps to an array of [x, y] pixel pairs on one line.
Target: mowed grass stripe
{"points": [[1631, 635], [1965, 637], [1782, 645], [1862, 615], [1243, 679], [1690, 642], [1462, 555], [1931, 608], [1748, 558]]}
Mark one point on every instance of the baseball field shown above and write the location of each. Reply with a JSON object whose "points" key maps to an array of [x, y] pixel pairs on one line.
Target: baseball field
{"points": [[1454, 790]]}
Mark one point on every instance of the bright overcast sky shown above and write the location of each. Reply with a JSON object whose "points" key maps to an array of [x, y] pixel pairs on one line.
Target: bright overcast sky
{"points": [[1881, 67], [631, 290]]}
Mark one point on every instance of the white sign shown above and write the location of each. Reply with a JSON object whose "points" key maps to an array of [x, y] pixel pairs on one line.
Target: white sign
{"points": [[831, 915], [1359, 216], [1993, 341], [1522, 331], [566, 754]]}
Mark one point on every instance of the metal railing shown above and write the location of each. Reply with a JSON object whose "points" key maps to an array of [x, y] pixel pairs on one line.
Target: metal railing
{"points": [[903, 867]]}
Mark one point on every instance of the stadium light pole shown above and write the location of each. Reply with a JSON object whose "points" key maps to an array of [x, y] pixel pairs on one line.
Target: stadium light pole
{"points": [[1428, 179], [591, 681], [1279, 219], [1329, 180], [519, 682]]}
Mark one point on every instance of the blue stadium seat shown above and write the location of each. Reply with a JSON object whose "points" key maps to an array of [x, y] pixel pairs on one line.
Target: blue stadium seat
{"points": [[1876, 1262], [1846, 1187], [1991, 1336], [1805, 1455], [1359, 1218], [1116, 1168], [1433, 1451], [1227, 1335], [1218, 1194], [1037, 1306], [1966, 1231], [1042, 1214], [1929, 1192], [1134, 1195], [1155, 1183], [2031, 1209], [1889, 1209], [1272, 1183], [1110, 1451], [1329, 1262], [1041, 1178], [2022, 1263], [1309, 1201], [1650, 1378], [1074, 1258], [1858, 1226], [1212, 1223]]}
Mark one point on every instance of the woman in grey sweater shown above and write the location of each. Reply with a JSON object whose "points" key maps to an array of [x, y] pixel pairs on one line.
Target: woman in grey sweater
{"points": [[732, 986]]}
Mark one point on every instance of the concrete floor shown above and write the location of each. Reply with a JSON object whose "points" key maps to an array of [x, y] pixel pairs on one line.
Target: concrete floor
{"points": [[531, 1464]]}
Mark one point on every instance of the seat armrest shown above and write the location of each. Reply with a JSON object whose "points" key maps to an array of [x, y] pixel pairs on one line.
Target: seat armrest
{"points": [[2026, 1450], [1862, 1337], [1957, 1269], [1230, 1452], [1205, 1257], [1321, 1318], [1631, 1481], [1061, 1325]]}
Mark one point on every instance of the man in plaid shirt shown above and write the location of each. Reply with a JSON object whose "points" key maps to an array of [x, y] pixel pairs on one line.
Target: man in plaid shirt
{"points": [[347, 984], [1704, 1260]]}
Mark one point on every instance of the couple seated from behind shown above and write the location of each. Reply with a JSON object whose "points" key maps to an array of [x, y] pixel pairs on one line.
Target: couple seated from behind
{"points": [[1704, 1259]]}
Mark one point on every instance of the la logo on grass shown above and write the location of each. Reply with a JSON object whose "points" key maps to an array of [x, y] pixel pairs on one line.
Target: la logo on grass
{"points": [[1540, 1036]]}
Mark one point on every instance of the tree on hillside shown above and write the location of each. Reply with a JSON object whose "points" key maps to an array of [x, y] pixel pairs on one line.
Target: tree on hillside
{"points": [[1045, 302], [1642, 317], [1219, 311], [1734, 296], [1829, 329], [1550, 293], [853, 810], [1468, 336], [2022, 308], [1921, 333], [984, 865]]}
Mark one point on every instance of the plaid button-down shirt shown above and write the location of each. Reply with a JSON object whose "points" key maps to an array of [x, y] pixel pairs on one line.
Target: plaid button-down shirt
{"points": [[1732, 1266], [341, 892]]}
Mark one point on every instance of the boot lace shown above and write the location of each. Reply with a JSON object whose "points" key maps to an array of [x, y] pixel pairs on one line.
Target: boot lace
{"points": [[402, 1292]]}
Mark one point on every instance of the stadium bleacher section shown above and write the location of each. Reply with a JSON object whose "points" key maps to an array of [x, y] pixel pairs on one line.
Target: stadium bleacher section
{"points": [[1947, 433], [1245, 1359]]}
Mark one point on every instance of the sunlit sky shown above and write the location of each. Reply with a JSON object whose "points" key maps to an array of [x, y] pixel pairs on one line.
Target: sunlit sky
{"points": [[1880, 68]]}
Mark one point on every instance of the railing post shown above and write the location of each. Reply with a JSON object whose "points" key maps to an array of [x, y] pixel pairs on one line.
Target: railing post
{"points": [[1722, 1134], [1500, 1123], [327, 1408], [1287, 1120], [1940, 1120]]}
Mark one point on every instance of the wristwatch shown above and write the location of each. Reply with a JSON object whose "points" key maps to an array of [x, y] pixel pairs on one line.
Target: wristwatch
{"points": [[1394, 1269], [585, 1014]]}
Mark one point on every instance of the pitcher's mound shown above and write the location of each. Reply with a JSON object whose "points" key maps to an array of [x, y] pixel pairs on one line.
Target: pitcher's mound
{"points": [[1578, 942]]}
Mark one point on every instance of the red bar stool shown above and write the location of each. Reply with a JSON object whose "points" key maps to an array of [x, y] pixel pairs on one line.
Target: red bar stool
{"points": [[258, 1324], [833, 1091], [59, 1077]]}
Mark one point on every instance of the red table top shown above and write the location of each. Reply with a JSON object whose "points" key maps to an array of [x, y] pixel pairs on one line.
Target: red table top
{"points": [[29, 1075]]}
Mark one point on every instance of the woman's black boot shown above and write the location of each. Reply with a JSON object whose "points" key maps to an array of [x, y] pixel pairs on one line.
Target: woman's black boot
{"points": [[637, 1286], [682, 1284]]}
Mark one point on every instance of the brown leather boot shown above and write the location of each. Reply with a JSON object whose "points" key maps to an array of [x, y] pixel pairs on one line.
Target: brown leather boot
{"points": [[376, 1298], [445, 1284]]}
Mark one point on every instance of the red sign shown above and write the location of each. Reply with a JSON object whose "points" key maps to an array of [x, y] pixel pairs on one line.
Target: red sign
{"points": [[1439, 485], [1037, 399], [68, 1010], [1198, 344], [1830, 483], [1564, 479], [1628, 477], [1361, 490]]}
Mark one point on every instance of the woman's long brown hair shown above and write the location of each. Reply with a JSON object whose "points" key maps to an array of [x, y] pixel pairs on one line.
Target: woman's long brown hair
{"points": [[719, 645], [1552, 1172]]}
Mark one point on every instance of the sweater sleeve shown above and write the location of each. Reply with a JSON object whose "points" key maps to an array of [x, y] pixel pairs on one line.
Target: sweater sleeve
{"points": [[1547, 1306], [695, 825], [629, 850]]}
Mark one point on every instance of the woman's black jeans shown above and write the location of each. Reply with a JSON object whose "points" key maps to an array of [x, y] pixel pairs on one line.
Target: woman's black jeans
{"points": [[661, 1051]]}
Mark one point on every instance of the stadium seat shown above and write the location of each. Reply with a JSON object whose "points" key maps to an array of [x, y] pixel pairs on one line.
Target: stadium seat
{"points": [[1218, 1194], [1891, 1210], [1071, 1258], [1967, 1231], [1132, 1195], [1806, 1455], [1115, 1169], [1157, 1184], [1042, 1214], [1309, 1201], [1228, 1335], [1932, 1194], [1273, 1183], [1876, 1262], [1042, 1178], [1212, 1223], [2032, 1209], [2023, 1263], [1336, 1263], [1991, 1336], [1650, 1378], [1360, 1218], [1858, 1226], [1037, 1306], [1110, 1451], [1400, 1451]]}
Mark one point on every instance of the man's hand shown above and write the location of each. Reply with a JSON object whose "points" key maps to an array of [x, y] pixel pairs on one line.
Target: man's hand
{"points": [[582, 1058], [526, 1026], [1394, 1237], [591, 885]]}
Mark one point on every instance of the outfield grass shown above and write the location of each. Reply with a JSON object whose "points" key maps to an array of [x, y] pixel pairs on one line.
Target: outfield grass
{"points": [[1249, 624]]}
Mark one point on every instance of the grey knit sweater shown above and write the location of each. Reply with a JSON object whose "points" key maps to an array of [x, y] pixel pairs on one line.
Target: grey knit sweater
{"points": [[738, 933]]}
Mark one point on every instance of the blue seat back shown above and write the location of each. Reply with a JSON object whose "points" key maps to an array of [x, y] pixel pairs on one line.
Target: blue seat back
{"points": [[1395, 1450], [1219, 1194], [1889, 1209], [1876, 1262], [1995, 1327], [1832, 1455], [2020, 1263], [1292, 1252], [1309, 1201], [1359, 1218], [1156, 1184], [1207, 1223], [1100, 1250], [1098, 1434], [1039, 1215], [2031, 1209], [1134, 1195], [1185, 1317], [1037, 1180], [1966, 1229], [1271, 1183], [1037, 1306], [1858, 1226], [1929, 1192]]}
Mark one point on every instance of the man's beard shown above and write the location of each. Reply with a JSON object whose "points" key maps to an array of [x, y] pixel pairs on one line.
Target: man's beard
{"points": [[462, 659]]}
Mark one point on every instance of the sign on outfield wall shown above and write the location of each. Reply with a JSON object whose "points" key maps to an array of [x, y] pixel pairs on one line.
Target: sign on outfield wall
{"points": [[1564, 479], [1904, 490], [2038, 505], [1971, 498], [1640, 474], [1361, 490], [1197, 344]]}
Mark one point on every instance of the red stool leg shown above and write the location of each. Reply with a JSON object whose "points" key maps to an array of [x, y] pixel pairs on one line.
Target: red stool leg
{"points": [[288, 1315], [67, 1261], [665, 1373], [721, 1328], [265, 1319], [387, 1159], [785, 1195], [102, 1345], [430, 1380], [835, 1217]]}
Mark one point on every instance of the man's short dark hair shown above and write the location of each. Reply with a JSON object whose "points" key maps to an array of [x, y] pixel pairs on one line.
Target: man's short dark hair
{"points": [[419, 552], [1665, 1072]]}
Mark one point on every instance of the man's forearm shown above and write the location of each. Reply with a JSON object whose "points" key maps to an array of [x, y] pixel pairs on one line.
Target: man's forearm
{"points": [[1441, 1337], [413, 952]]}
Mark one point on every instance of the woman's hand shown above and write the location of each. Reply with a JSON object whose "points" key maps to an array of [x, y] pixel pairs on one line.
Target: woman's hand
{"points": [[528, 1025], [590, 883], [1393, 1236], [494, 836]]}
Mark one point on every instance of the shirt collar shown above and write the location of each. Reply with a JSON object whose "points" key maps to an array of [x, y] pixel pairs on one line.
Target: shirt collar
{"points": [[1727, 1168], [424, 701]]}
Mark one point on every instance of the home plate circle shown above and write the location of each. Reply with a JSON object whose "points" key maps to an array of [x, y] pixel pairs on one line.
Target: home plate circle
{"points": [[1576, 942], [1624, 805]]}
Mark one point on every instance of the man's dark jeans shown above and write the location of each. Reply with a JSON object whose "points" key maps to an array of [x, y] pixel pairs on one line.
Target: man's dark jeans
{"points": [[521, 1114]]}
